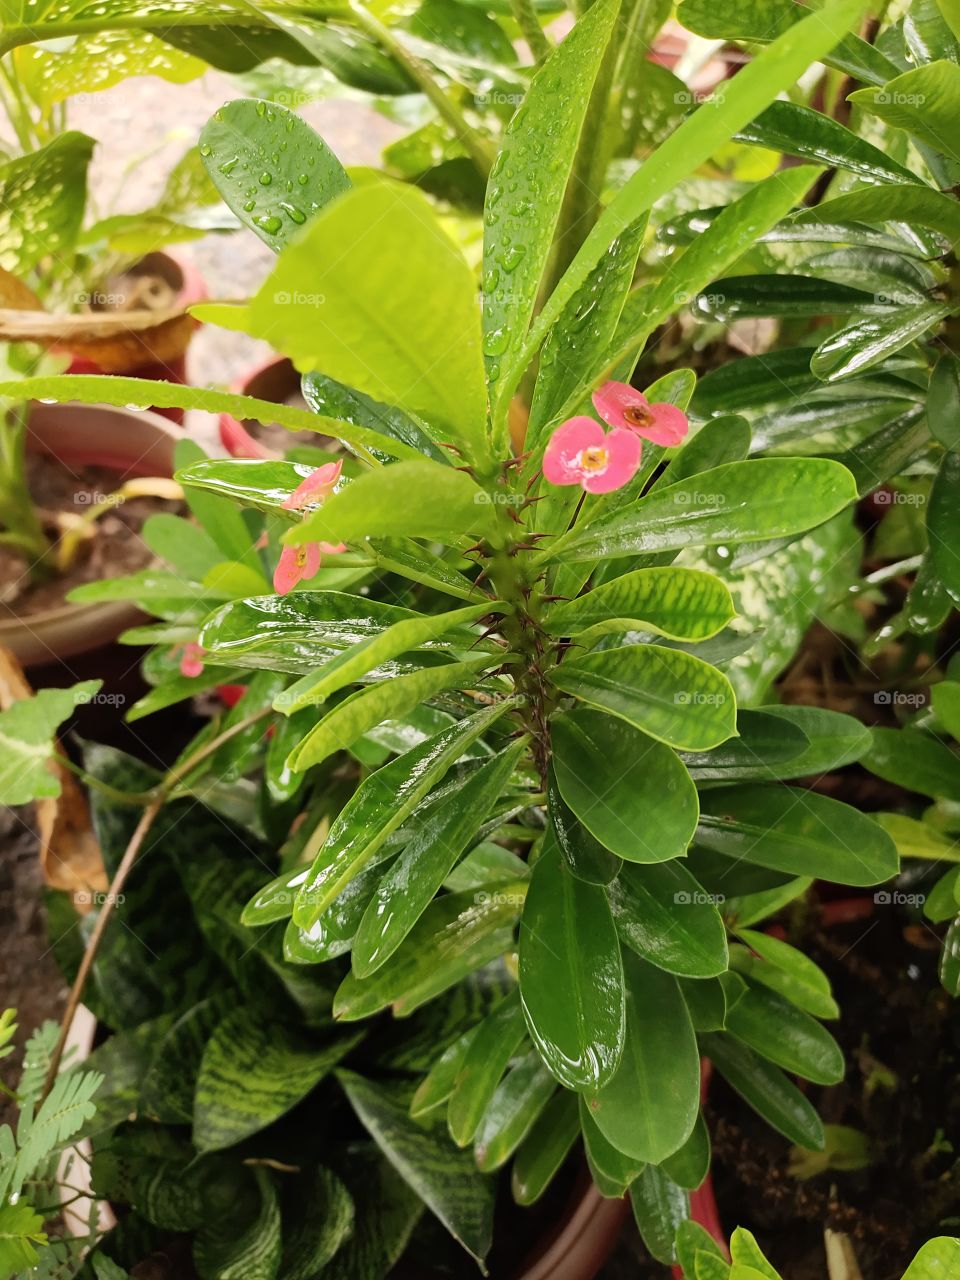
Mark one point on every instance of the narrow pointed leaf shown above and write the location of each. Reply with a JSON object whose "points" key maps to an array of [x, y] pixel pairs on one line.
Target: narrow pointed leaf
{"points": [[495, 1042]]}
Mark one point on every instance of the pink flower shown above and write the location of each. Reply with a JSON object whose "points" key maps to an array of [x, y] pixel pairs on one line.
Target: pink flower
{"points": [[315, 488], [620, 405], [191, 663], [581, 452], [296, 564]]}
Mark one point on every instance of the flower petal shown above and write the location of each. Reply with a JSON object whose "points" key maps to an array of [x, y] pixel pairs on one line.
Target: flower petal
{"points": [[561, 458], [288, 572], [670, 425], [624, 448], [191, 664], [332, 548], [315, 487], [612, 398]]}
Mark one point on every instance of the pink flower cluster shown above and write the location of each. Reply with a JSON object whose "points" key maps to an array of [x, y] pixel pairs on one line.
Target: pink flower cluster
{"points": [[297, 564], [581, 452]]}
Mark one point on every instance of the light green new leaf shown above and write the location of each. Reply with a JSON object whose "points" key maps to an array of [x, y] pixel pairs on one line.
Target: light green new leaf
{"points": [[939, 1257], [27, 731], [247, 139], [375, 294], [21, 1229], [42, 199], [571, 976], [786, 970], [683, 604], [924, 102], [670, 695]]}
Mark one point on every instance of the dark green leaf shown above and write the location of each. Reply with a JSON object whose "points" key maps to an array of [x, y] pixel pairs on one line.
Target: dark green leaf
{"points": [[517, 1103], [767, 1090], [916, 761], [779, 1031], [666, 916], [659, 1206]]}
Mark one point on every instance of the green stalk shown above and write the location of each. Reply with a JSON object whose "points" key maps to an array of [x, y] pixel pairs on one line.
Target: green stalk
{"points": [[526, 19]]}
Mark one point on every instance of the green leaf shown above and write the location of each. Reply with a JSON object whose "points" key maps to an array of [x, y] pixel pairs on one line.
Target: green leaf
{"points": [[786, 970], [571, 976], [515, 1107], [582, 852], [248, 139], [167, 1088], [545, 1148], [378, 807], [332, 399], [924, 101], [437, 1085], [690, 1165], [27, 730], [42, 200], [784, 1034], [409, 499], [492, 1046], [91, 388], [737, 297], [834, 740], [252, 1072], [65, 1109], [386, 701], [445, 1179], [943, 401], [800, 131], [937, 1256], [945, 700], [867, 342], [772, 72], [186, 547], [670, 695], [611, 1170], [659, 1206], [629, 791], [766, 1089], [739, 502], [242, 1240], [920, 206], [456, 934], [315, 1225], [918, 839], [942, 901], [915, 761], [683, 604], [411, 882], [219, 518], [950, 959], [693, 1239], [649, 1108], [796, 831], [745, 1252], [376, 285], [21, 1228], [526, 188], [763, 740], [942, 524], [668, 918]]}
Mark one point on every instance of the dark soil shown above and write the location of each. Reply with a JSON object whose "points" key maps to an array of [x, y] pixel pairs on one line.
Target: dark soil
{"points": [[901, 1038], [114, 549]]}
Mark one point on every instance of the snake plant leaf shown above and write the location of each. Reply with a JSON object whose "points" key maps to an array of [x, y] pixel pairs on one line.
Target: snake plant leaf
{"points": [[766, 1089], [740, 502], [649, 1108], [567, 928], [780, 1032], [247, 138], [318, 1219], [796, 831], [671, 695], [379, 806], [664, 914], [545, 1148], [252, 1072], [244, 1238], [683, 604], [446, 1179], [410, 883], [27, 730]]}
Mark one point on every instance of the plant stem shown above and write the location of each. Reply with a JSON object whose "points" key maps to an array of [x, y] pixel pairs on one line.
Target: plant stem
{"points": [[526, 19], [477, 147], [158, 798]]}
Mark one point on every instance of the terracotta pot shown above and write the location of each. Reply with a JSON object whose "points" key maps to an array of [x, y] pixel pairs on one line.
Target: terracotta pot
{"points": [[133, 444], [582, 1242], [190, 287], [274, 380]]}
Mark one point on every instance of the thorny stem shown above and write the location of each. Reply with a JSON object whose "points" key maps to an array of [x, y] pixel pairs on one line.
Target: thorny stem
{"points": [[157, 799]]}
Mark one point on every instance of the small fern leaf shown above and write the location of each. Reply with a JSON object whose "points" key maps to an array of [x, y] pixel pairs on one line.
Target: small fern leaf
{"points": [[60, 1115]]}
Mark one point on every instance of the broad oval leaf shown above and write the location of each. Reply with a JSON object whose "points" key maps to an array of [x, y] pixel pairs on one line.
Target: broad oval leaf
{"points": [[916, 761], [664, 914], [779, 1031], [684, 604]]}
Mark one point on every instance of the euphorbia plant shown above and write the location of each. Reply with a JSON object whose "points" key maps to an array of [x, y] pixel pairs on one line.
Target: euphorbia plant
{"points": [[573, 703]]}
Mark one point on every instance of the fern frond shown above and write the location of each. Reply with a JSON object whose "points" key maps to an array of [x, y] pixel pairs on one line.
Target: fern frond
{"points": [[60, 1115]]}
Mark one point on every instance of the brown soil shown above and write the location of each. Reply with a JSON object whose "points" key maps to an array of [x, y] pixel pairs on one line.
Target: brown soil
{"points": [[901, 1039], [115, 547]]}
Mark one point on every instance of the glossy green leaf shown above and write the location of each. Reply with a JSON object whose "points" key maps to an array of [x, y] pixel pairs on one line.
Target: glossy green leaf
{"points": [[942, 902], [938, 1256], [738, 297], [800, 131], [670, 695], [920, 206], [331, 399], [943, 401], [611, 1170], [659, 1206], [376, 286], [766, 1089], [527, 185], [666, 916], [720, 440], [248, 138], [649, 1108], [27, 729], [945, 700], [693, 1240], [411, 882], [378, 807], [456, 934], [368, 707], [942, 524], [684, 604], [739, 502], [631, 792], [445, 1179], [784, 969], [798, 832], [950, 959], [706, 1002], [545, 1148], [491, 1048], [690, 1165], [567, 929], [866, 343], [765, 747], [252, 1072], [409, 499], [924, 101], [518, 1101], [833, 741], [916, 761], [784, 1034], [582, 852], [437, 1085]]}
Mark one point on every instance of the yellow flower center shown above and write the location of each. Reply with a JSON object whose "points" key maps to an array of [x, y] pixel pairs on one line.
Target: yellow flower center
{"points": [[594, 458], [637, 416], [302, 556]]}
